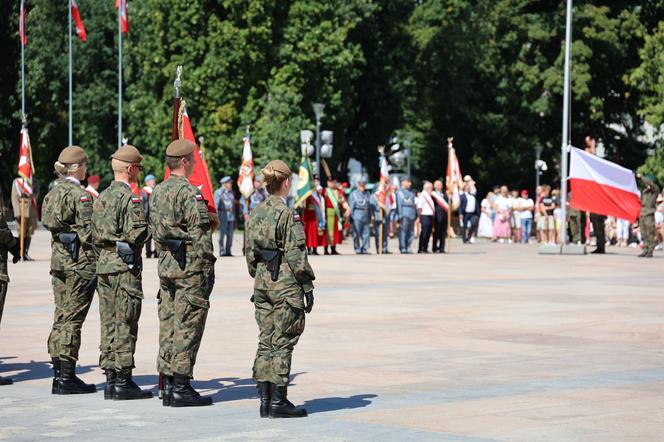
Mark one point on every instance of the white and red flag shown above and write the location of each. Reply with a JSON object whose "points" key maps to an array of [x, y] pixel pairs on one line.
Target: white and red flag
{"points": [[25, 166], [381, 194], [76, 15], [21, 24], [603, 187], [201, 175], [245, 180], [124, 18], [453, 178]]}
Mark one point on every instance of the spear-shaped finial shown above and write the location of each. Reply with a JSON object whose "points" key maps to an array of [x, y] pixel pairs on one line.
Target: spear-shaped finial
{"points": [[176, 83], [449, 142]]}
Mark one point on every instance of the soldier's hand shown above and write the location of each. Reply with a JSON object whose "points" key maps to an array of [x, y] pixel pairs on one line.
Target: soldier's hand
{"points": [[209, 283], [16, 252], [252, 299], [309, 302]]}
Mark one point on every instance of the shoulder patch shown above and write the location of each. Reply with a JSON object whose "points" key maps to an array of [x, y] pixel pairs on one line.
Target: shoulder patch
{"points": [[135, 200], [85, 199], [199, 197], [296, 216]]}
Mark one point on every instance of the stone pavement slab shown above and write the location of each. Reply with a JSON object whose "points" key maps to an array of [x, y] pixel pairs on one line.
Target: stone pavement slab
{"points": [[490, 342]]}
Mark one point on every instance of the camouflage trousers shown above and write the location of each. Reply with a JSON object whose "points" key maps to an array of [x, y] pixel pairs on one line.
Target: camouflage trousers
{"points": [[120, 301], [73, 297], [3, 294], [280, 319], [647, 227], [183, 310]]}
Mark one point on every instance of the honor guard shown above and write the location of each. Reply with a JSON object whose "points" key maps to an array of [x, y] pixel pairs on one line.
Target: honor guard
{"points": [[360, 205], [277, 260], [406, 215], [181, 229], [67, 214], [8, 243], [120, 231], [225, 202]]}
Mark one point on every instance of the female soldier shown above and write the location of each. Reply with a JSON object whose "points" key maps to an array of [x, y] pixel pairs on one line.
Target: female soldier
{"points": [[277, 260], [66, 213]]}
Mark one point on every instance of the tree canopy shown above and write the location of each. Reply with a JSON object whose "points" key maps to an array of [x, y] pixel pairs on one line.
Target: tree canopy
{"points": [[487, 72]]}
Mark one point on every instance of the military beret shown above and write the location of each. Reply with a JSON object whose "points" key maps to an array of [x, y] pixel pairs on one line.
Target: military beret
{"points": [[148, 178], [180, 148], [225, 179], [72, 155], [279, 166], [128, 154]]}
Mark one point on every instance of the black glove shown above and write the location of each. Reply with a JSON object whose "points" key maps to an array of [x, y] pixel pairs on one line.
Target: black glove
{"points": [[91, 286], [16, 251], [209, 283], [309, 304], [252, 299]]}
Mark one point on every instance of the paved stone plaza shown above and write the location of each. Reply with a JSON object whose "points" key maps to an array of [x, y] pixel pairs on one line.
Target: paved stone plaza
{"points": [[492, 342]]}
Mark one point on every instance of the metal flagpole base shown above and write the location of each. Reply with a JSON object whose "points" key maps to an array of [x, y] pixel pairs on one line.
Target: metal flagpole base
{"points": [[566, 249]]}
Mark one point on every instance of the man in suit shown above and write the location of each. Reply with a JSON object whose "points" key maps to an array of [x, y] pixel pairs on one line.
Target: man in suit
{"points": [[469, 212]]}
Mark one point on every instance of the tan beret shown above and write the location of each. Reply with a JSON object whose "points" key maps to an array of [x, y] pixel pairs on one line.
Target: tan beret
{"points": [[72, 155], [279, 166], [180, 148], [128, 154]]}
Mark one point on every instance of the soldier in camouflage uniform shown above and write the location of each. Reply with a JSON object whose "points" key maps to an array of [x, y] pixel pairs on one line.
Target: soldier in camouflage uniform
{"points": [[181, 229], [277, 260], [8, 243], [66, 213], [120, 230], [647, 218]]}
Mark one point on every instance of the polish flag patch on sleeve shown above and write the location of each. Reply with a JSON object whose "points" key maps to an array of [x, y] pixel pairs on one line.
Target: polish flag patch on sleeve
{"points": [[136, 200], [297, 217], [85, 199], [199, 197]]}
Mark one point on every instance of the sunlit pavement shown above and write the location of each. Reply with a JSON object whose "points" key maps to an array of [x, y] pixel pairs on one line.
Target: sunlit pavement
{"points": [[490, 342]]}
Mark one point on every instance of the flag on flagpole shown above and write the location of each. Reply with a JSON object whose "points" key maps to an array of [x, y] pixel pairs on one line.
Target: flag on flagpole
{"points": [[245, 180], [383, 181], [80, 29], [25, 165], [603, 187], [305, 185], [124, 17], [453, 178], [200, 176], [21, 24]]}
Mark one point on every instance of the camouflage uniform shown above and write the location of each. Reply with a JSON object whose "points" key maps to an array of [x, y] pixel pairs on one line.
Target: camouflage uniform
{"points": [[7, 242], [279, 304], [118, 216], [179, 211], [68, 208], [647, 216]]}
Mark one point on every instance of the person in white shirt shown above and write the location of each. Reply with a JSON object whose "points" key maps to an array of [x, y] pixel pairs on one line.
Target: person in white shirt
{"points": [[516, 215], [526, 205], [425, 209]]}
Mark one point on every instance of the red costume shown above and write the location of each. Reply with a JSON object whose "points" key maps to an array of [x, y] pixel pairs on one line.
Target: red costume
{"points": [[315, 237]]}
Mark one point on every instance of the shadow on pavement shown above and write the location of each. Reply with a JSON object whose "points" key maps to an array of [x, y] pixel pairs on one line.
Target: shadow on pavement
{"points": [[325, 404], [35, 369]]}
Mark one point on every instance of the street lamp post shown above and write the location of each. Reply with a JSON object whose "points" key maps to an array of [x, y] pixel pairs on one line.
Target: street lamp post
{"points": [[318, 109]]}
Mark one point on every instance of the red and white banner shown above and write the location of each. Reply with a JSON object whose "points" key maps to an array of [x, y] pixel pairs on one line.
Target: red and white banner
{"points": [[453, 178], [201, 175], [80, 29], [124, 18], [245, 180], [25, 166], [381, 193], [602, 187], [21, 24]]}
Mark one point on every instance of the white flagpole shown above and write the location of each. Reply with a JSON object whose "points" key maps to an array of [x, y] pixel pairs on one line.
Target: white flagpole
{"points": [[120, 74], [70, 77], [22, 37], [566, 124]]}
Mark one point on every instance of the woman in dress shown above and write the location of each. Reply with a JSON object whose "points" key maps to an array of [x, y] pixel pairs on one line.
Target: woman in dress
{"points": [[485, 228], [502, 230]]}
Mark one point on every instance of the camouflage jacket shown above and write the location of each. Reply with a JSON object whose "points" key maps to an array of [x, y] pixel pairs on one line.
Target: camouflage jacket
{"points": [[117, 215], [179, 211], [68, 208], [7, 241], [274, 226]]}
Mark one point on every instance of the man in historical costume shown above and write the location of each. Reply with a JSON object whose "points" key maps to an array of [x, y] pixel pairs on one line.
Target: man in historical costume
{"points": [[334, 217], [313, 219]]}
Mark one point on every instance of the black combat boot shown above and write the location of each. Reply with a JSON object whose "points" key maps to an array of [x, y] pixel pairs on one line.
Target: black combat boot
{"points": [[56, 375], [334, 251], [184, 395], [6, 381], [264, 394], [26, 246], [69, 383], [280, 406], [111, 377], [168, 391], [126, 389]]}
